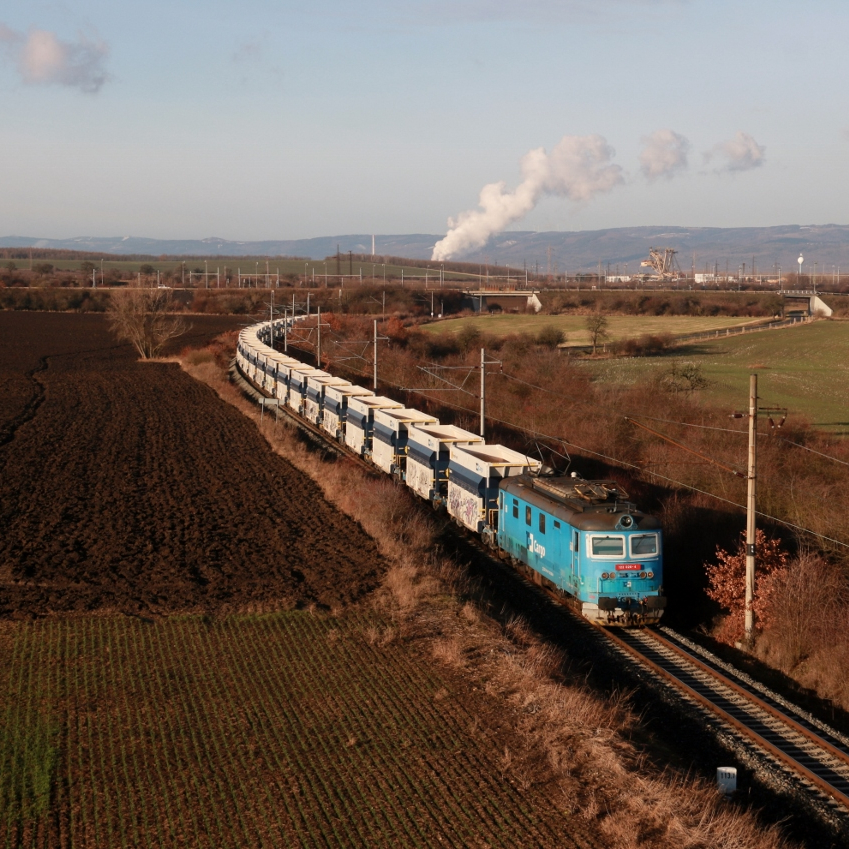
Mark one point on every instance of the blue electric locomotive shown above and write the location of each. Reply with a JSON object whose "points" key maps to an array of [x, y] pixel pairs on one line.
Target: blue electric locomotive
{"points": [[585, 539]]}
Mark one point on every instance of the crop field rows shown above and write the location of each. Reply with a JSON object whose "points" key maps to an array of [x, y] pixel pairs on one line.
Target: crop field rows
{"points": [[282, 729]]}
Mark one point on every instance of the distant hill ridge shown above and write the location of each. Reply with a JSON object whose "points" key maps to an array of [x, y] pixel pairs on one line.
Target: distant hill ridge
{"points": [[713, 247]]}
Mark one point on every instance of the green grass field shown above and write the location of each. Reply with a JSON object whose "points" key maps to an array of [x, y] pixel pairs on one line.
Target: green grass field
{"points": [[805, 368], [619, 326]]}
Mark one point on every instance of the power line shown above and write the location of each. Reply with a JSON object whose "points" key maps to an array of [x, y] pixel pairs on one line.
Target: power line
{"points": [[650, 473], [688, 424], [814, 451]]}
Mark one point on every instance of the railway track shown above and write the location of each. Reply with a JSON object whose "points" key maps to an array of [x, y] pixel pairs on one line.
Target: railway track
{"points": [[806, 748]]}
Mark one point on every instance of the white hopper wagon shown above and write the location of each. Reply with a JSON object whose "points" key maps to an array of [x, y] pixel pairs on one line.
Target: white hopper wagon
{"points": [[266, 369], [249, 350], [336, 407], [474, 475], [281, 375], [242, 353], [389, 443], [298, 384], [360, 421], [314, 400], [428, 455]]}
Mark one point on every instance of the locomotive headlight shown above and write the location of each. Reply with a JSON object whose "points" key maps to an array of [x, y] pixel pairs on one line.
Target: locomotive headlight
{"points": [[642, 574], [650, 574], [604, 576]]}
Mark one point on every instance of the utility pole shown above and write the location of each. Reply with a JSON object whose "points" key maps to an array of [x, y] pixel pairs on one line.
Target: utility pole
{"points": [[318, 340], [376, 337], [751, 481], [750, 508], [286, 329], [483, 391], [484, 363]]}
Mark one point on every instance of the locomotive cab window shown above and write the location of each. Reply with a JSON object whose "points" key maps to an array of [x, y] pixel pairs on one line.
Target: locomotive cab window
{"points": [[607, 546], [643, 545], [542, 523], [515, 509], [527, 515]]}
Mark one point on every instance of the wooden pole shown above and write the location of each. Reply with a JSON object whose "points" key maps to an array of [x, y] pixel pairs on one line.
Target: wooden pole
{"points": [[750, 507]]}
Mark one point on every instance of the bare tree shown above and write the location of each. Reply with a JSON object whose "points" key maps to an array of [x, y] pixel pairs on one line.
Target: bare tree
{"points": [[596, 325], [142, 317]]}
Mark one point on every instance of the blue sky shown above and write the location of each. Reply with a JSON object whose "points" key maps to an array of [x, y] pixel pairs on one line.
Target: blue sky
{"points": [[267, 120]]}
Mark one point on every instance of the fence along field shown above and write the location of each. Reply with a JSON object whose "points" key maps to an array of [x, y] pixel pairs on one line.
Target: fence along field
{"points": [[276, 730]]}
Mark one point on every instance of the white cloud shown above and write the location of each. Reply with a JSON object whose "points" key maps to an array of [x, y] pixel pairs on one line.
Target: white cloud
{"points": [[665, 153], [42, 58], [741, 153]]}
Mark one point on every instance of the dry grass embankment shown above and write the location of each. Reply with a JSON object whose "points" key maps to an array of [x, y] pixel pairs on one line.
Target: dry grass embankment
{"points": [[565, 737]]}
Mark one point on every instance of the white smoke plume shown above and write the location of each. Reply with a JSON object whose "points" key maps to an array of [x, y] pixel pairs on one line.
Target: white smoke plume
{"points": [[577, 168], [42, 58], [664, 154], [741, 153]]}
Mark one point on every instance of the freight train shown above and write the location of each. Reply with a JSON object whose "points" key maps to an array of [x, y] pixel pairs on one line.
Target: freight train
{"points": [[582, 539]]}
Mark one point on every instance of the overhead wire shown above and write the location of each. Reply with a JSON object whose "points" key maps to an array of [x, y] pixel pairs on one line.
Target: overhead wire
{"points": [[687, 424], [814, 451]]}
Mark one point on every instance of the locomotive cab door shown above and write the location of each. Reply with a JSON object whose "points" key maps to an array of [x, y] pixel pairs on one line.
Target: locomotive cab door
{"points": [[573, 577]]}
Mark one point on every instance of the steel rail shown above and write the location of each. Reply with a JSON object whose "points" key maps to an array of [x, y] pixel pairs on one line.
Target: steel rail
{"points": [[781, 753], [746, 691]]}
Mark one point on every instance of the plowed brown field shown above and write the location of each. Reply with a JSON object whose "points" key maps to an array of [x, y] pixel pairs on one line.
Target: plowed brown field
{"points": [[128, 486]]}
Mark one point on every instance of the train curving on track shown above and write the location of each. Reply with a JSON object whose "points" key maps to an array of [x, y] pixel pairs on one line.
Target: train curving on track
{"points": [[581, 539]]}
